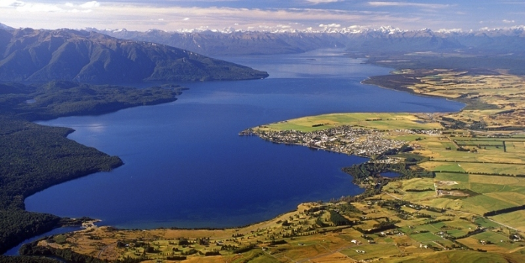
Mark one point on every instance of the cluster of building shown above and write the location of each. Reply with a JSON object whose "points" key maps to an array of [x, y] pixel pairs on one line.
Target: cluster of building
{"points": [[342, 139]]}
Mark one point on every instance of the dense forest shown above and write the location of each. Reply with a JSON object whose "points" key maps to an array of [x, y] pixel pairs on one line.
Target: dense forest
{"points": [[34, 157], [65, 98]]}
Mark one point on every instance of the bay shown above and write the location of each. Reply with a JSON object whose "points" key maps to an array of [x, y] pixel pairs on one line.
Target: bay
{"points": [[186, 166]]}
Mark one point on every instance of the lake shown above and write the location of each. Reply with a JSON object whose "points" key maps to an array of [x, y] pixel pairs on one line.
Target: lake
{"points": [[186, 166]]}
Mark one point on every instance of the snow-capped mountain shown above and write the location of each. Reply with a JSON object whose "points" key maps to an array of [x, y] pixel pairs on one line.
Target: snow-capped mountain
{"points": [[264, 40]]}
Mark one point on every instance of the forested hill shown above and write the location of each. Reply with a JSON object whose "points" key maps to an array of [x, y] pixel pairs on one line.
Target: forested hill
{"points": [[45, 55]]}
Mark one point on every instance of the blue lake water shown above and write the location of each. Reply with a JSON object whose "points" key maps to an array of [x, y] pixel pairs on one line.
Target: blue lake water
{"points": [[185, 165]]}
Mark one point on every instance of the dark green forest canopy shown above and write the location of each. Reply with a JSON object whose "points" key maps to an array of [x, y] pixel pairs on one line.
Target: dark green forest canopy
{"points": [[34, 157], [63, 98]]}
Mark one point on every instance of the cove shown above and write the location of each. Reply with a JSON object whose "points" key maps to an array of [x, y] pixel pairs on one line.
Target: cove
{"points": [[186, 166]]}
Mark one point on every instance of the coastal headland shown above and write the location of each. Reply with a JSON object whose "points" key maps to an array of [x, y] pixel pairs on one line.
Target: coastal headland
{"points": [[458, 197]]}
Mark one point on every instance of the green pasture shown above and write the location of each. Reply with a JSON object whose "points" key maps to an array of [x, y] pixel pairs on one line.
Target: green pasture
{"points": [[498, 180], [456, 156], [255, 256], [443, 145], [410, 137], [401, 187], [517, 199], [418, 183], [415, 196], [459, 256], [469, 142], [458, 228], [431, 213], [484, 222], [481, 204], [450, 167], [438, 226], [380, 121], [371, 251], [459, 178], [496, 239], [493, 188], [476, 167], [461, 225], [515, 219], [409, 209], [432, 228], [457, 233], [425, 238], [488, 151], [448, 203], [493, 168], [516, 147]]}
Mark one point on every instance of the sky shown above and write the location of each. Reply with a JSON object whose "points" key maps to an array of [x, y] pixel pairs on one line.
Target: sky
{"points": [[269, 15]]}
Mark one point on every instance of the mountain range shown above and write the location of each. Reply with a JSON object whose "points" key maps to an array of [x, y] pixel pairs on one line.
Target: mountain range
{"points": [[121, 56], [235, 43], [380, 40], [83, 56]]}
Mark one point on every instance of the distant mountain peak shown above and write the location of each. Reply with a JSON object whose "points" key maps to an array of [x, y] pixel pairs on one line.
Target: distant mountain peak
{"points": [[273, 40], [5, 27], [323, 29]]}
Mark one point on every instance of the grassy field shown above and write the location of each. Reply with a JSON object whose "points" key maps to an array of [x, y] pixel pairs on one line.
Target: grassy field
{"points": [[515, 219], [457, 256], [379, 121]]}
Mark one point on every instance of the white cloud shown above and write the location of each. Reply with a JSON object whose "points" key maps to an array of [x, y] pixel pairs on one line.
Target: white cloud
{"points": [[508, 21], [316, 2], [146, 16], [330, 25], [89, 5], [402, 4], [37, 7], [7, 3]]}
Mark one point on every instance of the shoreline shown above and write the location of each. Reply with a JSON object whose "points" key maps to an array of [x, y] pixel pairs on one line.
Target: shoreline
{"points": [[372, 81]]}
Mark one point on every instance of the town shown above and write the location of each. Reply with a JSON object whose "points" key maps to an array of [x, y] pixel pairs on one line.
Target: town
{"points": [[341, 139]]}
